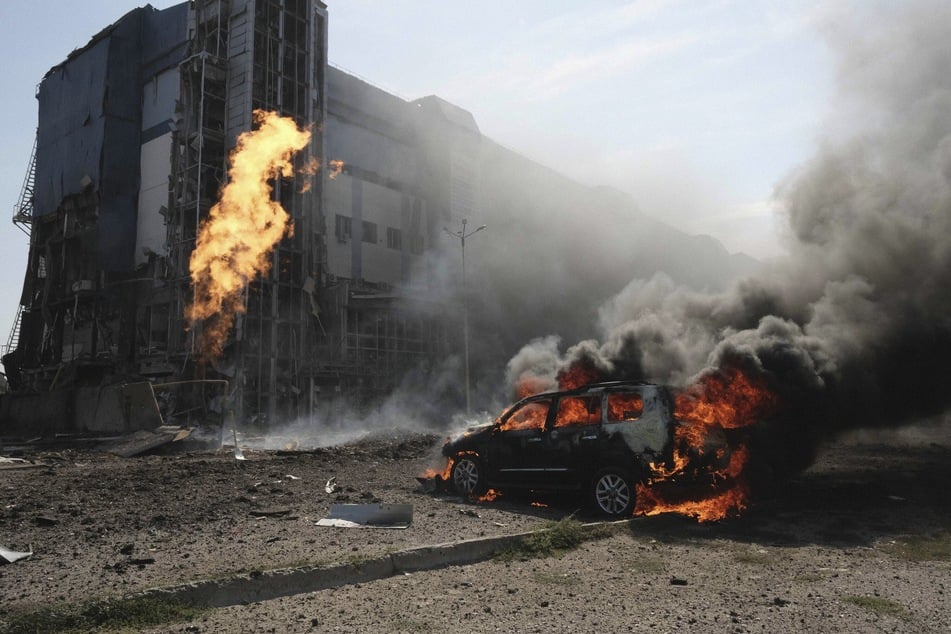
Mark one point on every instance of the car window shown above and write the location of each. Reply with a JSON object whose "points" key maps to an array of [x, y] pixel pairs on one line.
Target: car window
{"points": [[624, 406], [578, 410], [528, 416]]}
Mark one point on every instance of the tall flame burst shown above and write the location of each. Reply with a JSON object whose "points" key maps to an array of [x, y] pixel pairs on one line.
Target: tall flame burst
{"points": [[236, 239]]}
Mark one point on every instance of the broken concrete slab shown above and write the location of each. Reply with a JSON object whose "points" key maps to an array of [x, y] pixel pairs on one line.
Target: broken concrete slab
{"points": [[369, 515]]}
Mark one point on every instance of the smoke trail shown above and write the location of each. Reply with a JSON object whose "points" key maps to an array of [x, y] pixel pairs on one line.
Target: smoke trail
{"points": [[854, 330], [236, 239]]}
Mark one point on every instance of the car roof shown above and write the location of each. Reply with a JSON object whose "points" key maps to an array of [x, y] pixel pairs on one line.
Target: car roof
{"points": [[589, 388]]}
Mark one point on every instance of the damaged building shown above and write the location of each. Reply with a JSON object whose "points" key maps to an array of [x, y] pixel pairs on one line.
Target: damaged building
{"points": [[134, 134], [132, 143]]}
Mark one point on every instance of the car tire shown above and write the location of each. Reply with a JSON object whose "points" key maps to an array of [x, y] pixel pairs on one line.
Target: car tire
{"points": [[612, 493], [468, 476]]}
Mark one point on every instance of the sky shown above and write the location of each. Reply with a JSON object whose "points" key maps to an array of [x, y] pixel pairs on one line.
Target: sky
{"points": [[696, 108]]}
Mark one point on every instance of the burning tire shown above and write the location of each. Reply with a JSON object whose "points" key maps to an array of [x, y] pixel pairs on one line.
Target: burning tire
{"points": [[467, 476], [613, 493]]}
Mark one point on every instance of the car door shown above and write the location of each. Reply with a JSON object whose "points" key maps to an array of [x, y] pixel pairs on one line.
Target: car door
{"points": [[572, 443], [636, 425], [517, 451]]}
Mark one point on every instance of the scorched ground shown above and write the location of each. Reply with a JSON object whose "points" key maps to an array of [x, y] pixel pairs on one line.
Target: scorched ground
{"points": [[858, 543]]}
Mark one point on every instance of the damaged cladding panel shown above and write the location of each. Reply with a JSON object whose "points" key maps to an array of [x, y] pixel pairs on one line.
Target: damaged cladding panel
{"points": [[89, 113]]}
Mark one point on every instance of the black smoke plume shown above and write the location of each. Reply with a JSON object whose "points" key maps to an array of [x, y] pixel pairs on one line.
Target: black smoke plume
{"points": [[853, 329]]}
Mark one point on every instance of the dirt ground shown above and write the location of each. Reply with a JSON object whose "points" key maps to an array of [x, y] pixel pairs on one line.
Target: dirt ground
{"points": [[860, 542]]}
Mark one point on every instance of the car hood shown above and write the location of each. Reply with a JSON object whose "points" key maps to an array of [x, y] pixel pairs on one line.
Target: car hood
{"points": [[468, 438]]}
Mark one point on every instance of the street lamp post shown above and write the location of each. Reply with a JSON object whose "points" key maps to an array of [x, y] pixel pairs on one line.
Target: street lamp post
{"points": [[462, 235]]}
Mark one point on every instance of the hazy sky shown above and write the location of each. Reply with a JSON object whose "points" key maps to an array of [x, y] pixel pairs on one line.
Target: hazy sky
{"points": [[697, 108]]}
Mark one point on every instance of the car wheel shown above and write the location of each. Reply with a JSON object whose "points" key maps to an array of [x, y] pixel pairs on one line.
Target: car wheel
{"points": [[467, 476], [612, 493]]}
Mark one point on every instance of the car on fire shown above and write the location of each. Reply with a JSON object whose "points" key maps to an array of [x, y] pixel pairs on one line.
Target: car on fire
{"points": [[601, 439]]}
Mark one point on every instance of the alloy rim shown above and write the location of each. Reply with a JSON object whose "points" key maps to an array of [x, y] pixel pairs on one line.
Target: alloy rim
{"points": [[466, 475], [612, 494]]}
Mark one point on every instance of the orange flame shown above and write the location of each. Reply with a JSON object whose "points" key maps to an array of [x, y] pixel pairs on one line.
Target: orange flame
{"points": [[443, 474], [578, 374], [234, 242], [529, 384], [488, 496], [530, 416], [724, 399], [336, 167], [728, 397]]}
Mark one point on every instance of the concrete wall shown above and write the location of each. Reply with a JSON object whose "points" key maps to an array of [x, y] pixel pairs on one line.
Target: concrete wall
{"points": [[338, 194], [374, 134]]}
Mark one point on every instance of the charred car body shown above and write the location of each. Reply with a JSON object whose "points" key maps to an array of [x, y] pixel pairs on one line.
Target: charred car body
{"points": [[602, 439]]}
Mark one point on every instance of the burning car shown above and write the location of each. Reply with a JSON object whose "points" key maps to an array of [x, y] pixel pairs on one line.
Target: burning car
{"points": [[606, 440]]}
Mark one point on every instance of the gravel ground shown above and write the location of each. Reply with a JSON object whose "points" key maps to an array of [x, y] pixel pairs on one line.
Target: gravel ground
{"points": [[861, 542]]}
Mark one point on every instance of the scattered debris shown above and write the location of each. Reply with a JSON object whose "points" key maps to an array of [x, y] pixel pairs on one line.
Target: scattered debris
{"points": [[369, 515], [140, 406], [45, 520], [469, 512], [11, 556], [271, 512], [674, 581], [17, 463], [331, 485], [143, 440], [429, 485], [292, 477]]}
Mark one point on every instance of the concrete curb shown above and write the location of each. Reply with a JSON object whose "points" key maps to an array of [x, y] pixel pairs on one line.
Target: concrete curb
{"points": [[274, 584]]}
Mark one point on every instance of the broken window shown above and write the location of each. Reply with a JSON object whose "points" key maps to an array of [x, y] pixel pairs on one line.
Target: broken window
{"points": [[369, 231], [528, 416], [416, 241], [342, 228], [394, 239], [578, 410], [624, 406]]}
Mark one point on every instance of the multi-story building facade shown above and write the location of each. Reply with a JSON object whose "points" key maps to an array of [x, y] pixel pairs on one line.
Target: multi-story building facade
{"points": [[135, 129], [134, 134]]}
